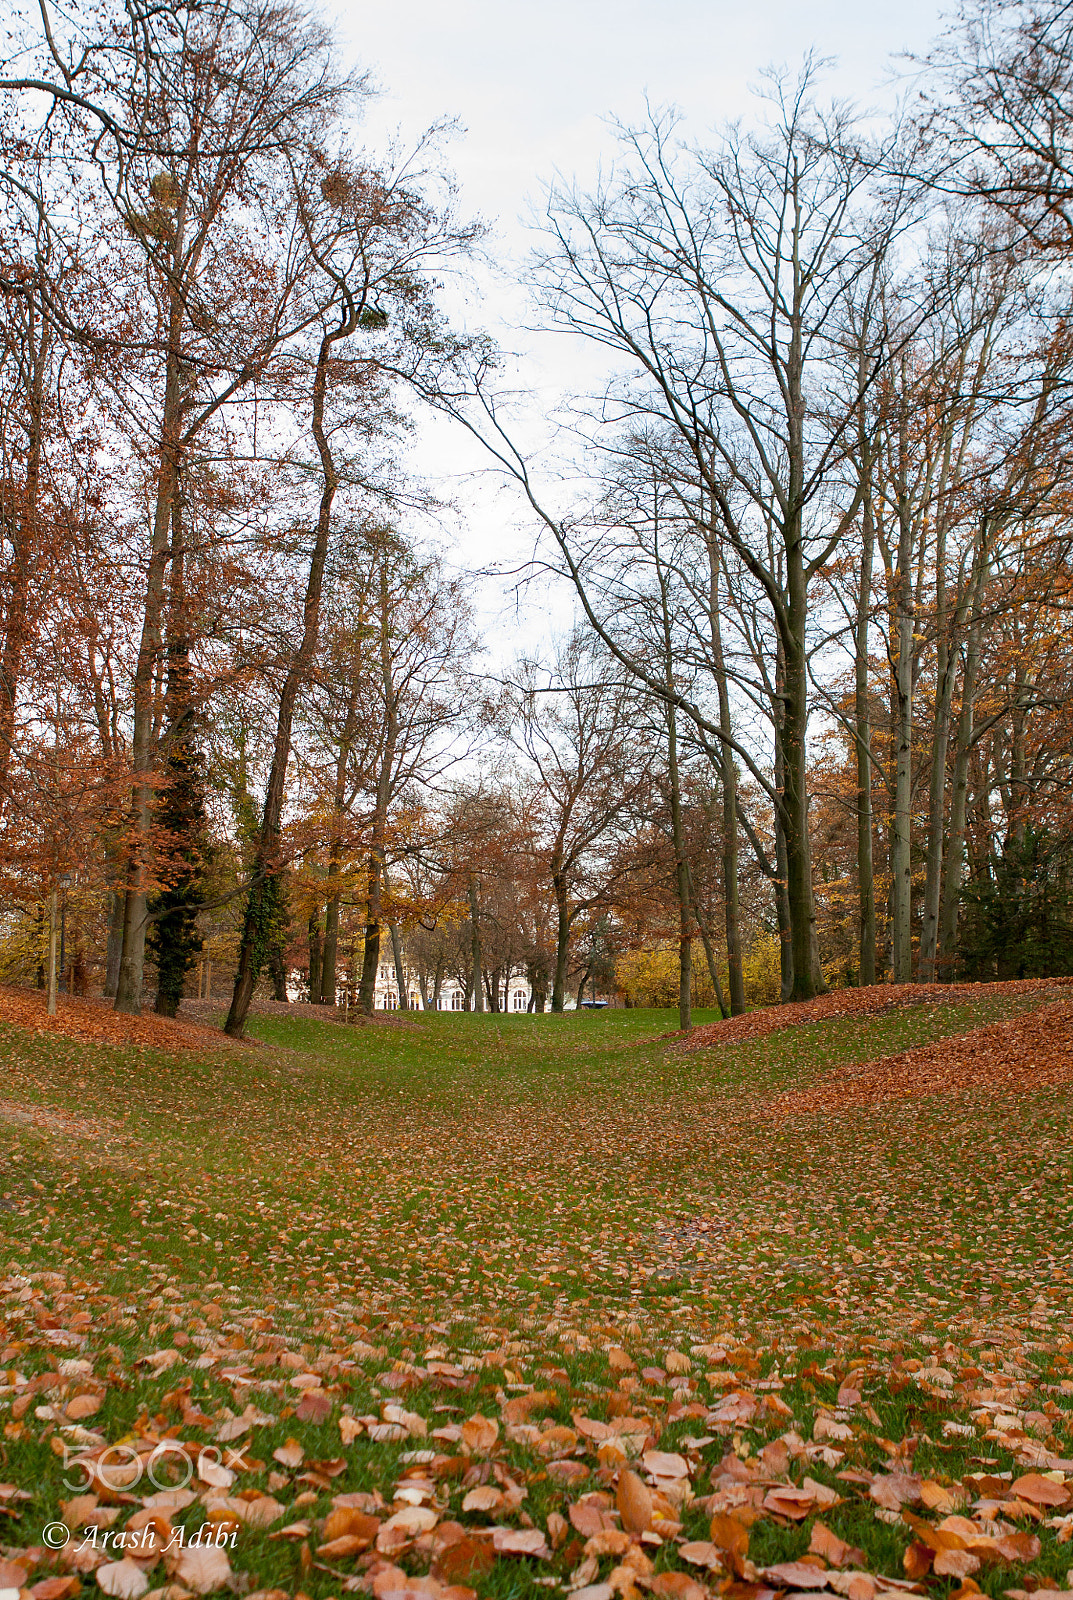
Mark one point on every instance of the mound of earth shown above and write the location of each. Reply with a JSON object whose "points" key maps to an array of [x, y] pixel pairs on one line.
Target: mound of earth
{"points": [[97, 1022], [868, 1002], [1012, 1057]]}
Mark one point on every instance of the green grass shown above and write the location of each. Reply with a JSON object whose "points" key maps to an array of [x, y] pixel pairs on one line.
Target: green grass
{"points": [[558, 1183]]}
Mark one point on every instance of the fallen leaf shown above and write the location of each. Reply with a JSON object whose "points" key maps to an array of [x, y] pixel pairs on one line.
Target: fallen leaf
{"points": [[634, 1502], [520, 1542], [123, 1580]]}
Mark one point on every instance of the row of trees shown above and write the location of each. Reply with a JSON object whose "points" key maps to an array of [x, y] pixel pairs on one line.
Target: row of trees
{"points": [[819, 685]]}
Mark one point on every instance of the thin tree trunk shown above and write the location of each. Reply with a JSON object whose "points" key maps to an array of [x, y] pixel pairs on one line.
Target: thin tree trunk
{"points": [[681, 879], [400, 968], [729, 781], [709, 953], [262, 904], [947, 629], [901, 840], [335, 850], [955, 849], [782, 901], [866, 888]]}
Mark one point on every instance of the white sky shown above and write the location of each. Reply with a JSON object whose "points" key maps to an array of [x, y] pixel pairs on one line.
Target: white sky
{"points": [[532, 84]]}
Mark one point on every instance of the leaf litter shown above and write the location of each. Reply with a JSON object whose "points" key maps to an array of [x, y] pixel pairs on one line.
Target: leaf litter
{"points": [[794, 1412]]}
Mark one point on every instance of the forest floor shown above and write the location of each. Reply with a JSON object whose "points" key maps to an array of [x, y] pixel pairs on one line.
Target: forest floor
{"points": [[517, 1304]]}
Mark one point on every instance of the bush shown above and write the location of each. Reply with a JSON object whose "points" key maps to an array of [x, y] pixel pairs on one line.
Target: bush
{"points": [[762, 971], [650, 977]]}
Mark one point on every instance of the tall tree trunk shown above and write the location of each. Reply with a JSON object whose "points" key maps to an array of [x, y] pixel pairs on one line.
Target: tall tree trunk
{"points": [[955, 849], [782, 899], [24, 529], [400, 966], [681, 878], [335, 850], [262, 904], [278, 973], [901, 834], [142, 755], [562, 938], [729, 782], [315, 956], [866, 887], [947, 629], [709, 952], [370, 960], [330, 956], [475, 944]]}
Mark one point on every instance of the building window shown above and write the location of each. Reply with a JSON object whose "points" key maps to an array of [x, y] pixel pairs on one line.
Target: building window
{"points": [[456, 1001]]}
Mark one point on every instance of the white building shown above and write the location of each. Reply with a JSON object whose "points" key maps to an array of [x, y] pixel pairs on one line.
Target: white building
{"points": [[452, 994]]}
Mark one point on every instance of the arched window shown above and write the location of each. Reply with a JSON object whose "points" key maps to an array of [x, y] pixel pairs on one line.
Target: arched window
{"points": [[457, 1000]]}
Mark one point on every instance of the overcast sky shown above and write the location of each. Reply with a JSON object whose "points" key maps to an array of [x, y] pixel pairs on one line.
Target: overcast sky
{"points": [[532, 85]]}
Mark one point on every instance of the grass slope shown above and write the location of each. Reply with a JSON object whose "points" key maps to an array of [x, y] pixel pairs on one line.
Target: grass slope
{"points": [[455, 1215]]}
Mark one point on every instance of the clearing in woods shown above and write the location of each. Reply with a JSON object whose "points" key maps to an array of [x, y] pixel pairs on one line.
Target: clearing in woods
{"points": [[507, 1304]]}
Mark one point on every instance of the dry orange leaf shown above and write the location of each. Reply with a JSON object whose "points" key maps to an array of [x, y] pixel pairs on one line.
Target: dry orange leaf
{"points": [[634, 1502]]}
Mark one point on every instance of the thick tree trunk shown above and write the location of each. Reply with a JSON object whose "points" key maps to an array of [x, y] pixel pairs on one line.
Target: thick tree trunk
{"points": [[562, 940], [330, 956], [114, 948], [278, 973], [315, 956], [800, 904], [475, 944], [23, 532], [371, 957], [138, 868]]}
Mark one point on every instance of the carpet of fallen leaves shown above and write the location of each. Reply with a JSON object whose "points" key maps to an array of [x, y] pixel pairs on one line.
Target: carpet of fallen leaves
{"points": [[541, 1304], [96, 1022], [871, 1002]]}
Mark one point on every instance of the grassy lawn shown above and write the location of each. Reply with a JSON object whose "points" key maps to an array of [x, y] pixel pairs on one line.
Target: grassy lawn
{"points": [[455, 1216]]}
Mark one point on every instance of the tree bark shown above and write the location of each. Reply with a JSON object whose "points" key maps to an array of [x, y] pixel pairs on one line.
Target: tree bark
{"points": [[866, 889], [729, 783], [315, 956], [955, 848], [475, 944], [562, 938], [262, 901], [132, 960], [400, 967], [901, 823]]}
